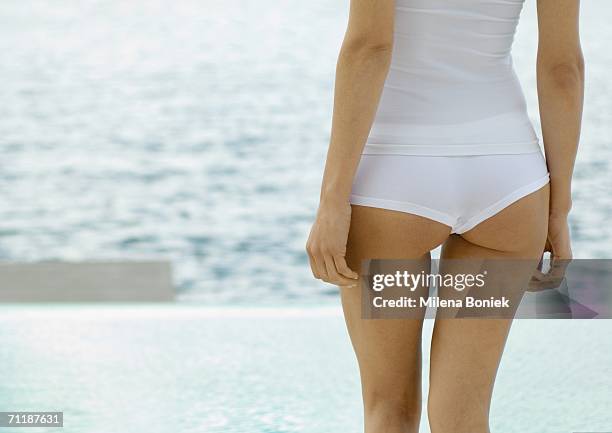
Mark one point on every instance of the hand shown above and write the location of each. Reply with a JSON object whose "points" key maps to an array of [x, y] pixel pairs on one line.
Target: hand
{"points": [[326, 245], [558, 242], [559, 246]]}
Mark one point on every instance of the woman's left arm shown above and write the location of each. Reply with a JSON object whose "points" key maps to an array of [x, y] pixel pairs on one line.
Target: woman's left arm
{"points": [[363, 64], [560, 71]]}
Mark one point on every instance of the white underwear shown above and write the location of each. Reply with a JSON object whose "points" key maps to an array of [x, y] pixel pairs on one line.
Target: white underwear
{"points": [[458, 191]]}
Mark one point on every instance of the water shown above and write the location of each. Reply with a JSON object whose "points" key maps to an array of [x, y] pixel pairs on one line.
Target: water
{"points": [[186, 369], [196, 131]]}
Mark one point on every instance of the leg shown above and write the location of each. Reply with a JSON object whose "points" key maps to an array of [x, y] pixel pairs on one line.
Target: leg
{"points": [[388, 351], [465, 353]]}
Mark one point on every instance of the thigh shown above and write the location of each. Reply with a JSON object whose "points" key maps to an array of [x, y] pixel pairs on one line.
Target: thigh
{"points": [[388, 351], [465, 353]]}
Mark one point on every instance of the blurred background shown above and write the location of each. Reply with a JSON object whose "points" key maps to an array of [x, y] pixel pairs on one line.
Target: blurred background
{"points": [[195, 132]]}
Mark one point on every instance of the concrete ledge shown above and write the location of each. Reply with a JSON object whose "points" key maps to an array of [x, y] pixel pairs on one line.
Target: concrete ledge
{"points": [[91, 281]]}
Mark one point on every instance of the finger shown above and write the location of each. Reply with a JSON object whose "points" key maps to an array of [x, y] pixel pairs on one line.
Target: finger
{"points": [[544, 279], [558, 267], [536, 286], [538, 275], [343, 269], [320, 266], [313, 267], [560, 258], [540, 286], [333, 276], [544, 284]]}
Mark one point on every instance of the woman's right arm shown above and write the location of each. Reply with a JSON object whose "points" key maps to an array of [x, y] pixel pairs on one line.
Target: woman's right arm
{"points": [[363, 64], [560, 75]]}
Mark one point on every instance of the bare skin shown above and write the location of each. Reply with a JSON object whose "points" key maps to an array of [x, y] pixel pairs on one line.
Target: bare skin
{"points": [[560, 69], [388, 351]]}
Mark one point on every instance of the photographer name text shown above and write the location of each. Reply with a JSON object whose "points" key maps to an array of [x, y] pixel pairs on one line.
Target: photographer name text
{"points": [[437, 302]]}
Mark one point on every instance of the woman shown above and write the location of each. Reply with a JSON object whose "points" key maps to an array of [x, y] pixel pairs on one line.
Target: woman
{"points": [[431, 145]]}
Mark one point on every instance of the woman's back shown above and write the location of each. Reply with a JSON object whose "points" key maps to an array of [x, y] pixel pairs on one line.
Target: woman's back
{"points": [[451, 87], [451, 160]]}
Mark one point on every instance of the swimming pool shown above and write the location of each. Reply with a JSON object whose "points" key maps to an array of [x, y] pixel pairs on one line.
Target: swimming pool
{"points": [[188, 368]]}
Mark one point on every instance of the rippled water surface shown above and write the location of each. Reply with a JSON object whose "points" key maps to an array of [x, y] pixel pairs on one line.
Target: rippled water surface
{"points": [[189, 370], [196, 131]]}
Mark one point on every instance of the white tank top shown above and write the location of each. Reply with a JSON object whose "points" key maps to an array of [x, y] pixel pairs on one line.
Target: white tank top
{"points": [[451, 88]]}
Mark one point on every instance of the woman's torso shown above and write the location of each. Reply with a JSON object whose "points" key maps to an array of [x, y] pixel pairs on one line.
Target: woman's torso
{"points": [[451, 88]]}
